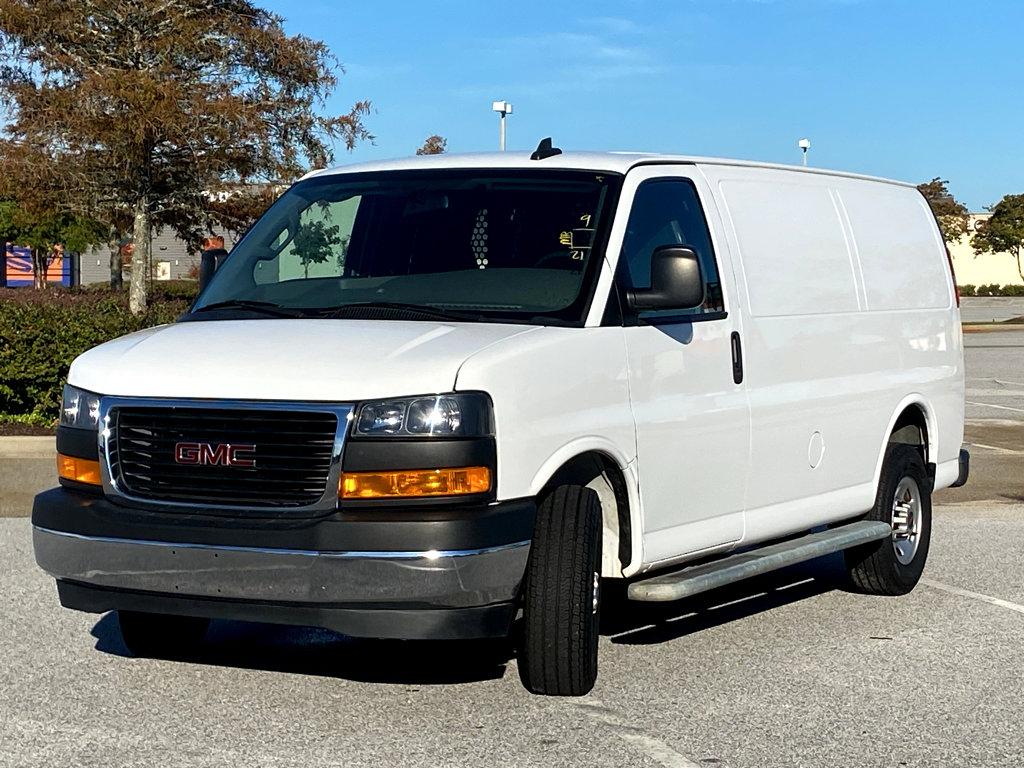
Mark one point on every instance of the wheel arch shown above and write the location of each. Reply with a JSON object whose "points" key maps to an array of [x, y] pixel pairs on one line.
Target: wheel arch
{"points": [[599, 465], [912, 422]]}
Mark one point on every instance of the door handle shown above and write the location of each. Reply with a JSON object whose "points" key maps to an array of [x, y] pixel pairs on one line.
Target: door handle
{"points": [[737, 358]]}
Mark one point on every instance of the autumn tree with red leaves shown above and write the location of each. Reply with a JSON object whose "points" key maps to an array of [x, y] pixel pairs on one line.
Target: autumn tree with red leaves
{"points": [[134, 112]]}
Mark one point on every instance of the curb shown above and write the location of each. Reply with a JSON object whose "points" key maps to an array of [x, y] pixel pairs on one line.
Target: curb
{"points": [[984, 328], [28, 447]]}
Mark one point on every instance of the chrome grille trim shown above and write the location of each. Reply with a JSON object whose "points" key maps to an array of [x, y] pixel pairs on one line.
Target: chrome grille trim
{"points": [[118, 493]]}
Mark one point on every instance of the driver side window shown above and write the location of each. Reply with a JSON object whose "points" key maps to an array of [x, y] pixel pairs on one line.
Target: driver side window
{"points": [[667, 212]]}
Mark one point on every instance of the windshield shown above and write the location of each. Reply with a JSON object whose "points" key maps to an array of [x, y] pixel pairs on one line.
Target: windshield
{"points": [[491, 245]]}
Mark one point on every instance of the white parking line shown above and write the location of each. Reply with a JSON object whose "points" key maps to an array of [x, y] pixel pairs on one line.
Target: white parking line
{"points": [[992, 379], [653, 748], [997, 449], [971, 594], [994, 406]]}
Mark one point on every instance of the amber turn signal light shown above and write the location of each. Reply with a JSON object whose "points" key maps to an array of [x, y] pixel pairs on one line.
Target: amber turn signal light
{"points": [[448, 481], [78, 470]]}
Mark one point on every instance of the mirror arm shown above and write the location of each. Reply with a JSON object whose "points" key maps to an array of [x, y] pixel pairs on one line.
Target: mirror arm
{"points": [[640, 299]]}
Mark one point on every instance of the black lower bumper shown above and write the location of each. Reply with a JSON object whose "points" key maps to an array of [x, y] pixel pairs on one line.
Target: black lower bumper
{"points": [[392, 528], [397, 573], [491, 621]]}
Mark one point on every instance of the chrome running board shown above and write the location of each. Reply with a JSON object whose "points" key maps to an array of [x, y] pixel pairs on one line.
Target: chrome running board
{"points": [[692, 580]]}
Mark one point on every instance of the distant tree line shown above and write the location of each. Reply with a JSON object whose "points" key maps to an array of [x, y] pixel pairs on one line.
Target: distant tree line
{"points": [[1002, 232]]}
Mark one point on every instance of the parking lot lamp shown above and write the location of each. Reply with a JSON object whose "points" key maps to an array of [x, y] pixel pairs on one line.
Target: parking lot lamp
{"points": [[804, 145], [503, 108]]}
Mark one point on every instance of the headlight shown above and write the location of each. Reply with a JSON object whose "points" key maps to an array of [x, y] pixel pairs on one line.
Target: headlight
{"points": [[80, 409], [452, 414]]}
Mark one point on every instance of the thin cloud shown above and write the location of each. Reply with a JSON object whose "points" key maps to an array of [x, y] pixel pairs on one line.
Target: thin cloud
{"points": [[612, 25], [577, 60]]}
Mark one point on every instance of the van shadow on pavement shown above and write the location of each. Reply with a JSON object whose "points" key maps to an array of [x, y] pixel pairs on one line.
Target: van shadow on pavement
{"points": [[311, 651], [634, 623]]}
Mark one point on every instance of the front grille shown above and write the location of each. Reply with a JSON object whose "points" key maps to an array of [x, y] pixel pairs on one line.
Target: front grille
{"points": [[293, 450]]}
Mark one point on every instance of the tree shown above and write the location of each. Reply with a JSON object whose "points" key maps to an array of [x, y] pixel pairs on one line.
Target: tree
{"points": [[1003, 232], [236, 210], [433, 145], [145, 107], [951, 214], [118, 237], [47, 234], [315, 242]]}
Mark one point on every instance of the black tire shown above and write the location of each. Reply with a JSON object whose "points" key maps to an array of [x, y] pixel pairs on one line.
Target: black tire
{"points": [[160, 635], [561, 613], [875, 568]]}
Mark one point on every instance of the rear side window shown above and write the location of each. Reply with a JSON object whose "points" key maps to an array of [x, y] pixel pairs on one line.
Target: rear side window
{"points": [[667, 212]]}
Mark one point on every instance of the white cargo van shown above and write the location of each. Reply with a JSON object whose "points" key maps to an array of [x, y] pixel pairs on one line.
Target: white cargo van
{"points": [[423, 398]]}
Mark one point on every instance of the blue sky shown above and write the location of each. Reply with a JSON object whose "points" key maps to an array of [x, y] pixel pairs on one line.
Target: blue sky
{"points": [[908, 89]]}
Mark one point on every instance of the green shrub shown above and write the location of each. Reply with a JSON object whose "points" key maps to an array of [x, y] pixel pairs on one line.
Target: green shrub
{"points": [[41, 332], [159, 290], [992, 289], [170, 290]]}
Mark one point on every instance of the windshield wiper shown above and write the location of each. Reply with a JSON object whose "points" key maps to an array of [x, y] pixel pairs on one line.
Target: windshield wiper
{"points": [[422, 310], [267, 308]]}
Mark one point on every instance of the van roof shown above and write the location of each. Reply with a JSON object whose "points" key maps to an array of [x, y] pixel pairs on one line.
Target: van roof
{"points": [[612, 162]]}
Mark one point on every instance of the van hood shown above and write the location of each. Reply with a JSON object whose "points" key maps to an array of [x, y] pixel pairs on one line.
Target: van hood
{"points": [[287, 359]]}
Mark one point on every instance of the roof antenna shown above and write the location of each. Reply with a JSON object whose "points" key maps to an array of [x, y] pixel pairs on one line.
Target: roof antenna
{"points": [[545, 150]]}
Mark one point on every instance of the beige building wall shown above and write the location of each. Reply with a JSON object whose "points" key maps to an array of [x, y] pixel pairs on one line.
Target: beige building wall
{"points": [[982, 269]]}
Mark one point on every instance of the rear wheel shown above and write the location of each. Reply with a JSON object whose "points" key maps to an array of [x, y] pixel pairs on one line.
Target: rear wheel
{"points": [[893, 566], [160, 635], [562, 595]]}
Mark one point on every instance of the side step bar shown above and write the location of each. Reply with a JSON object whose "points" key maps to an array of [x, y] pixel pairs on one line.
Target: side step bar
{"points": [[692, 580]]}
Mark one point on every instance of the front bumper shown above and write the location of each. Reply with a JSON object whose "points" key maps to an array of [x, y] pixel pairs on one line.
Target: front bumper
{"points": [[369, 579]]}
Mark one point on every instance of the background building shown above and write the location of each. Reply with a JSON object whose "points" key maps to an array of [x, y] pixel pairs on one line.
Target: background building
{"points": [[173, 259], [982, 269]]}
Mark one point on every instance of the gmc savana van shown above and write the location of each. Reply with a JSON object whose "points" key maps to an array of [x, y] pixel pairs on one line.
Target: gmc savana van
{"points": [[425, 398]]}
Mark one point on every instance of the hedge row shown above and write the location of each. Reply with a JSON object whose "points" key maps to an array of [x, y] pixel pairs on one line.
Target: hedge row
{"points": [[159, 291], [41, 332], [992, 290]]}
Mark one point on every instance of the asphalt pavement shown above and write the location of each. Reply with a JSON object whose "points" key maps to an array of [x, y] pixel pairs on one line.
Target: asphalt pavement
{"points": [[789, 671], [990, 309], [792, 670]]}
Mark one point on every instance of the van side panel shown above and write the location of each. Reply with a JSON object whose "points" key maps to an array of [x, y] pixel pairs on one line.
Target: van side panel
{"points": [[908, 283], [786, 230], [891, 224], [830, 353], [558, 393]]}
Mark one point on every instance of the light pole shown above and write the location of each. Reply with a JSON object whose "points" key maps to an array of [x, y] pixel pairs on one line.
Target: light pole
{"points": [[502, 108], [804, 145]]}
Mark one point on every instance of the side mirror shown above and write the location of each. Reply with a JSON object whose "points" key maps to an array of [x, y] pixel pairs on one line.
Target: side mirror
{"points": [[676, 281], [207, 266]]}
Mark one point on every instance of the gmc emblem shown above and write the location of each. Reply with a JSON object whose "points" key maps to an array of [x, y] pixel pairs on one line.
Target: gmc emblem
{"points": [[227, 454]]}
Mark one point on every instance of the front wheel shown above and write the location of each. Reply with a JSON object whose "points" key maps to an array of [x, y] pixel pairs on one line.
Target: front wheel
{"points": [[160, 635], [893, 566], [562, 594]]}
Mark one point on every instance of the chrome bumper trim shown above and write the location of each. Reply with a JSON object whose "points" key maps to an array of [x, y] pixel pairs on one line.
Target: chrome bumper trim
{"points": [[431, 578], [400, 554]]}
